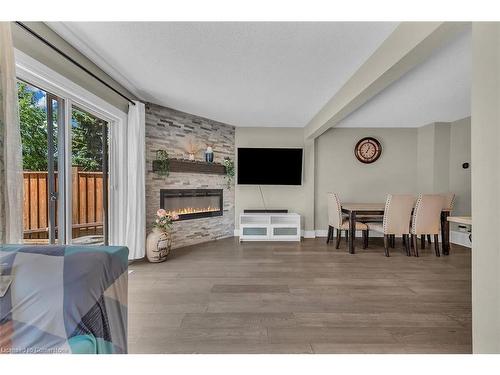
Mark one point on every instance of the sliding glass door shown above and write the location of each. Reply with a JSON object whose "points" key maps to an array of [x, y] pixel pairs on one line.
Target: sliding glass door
{"points": [[89, 178], [65, 166], [42, 138]]}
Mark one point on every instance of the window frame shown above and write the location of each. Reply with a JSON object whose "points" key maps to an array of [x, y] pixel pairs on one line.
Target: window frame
{"points": [[39, 75]]}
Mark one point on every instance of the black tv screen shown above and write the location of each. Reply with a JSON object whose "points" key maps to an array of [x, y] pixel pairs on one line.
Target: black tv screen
{"points": [[270, 166]]}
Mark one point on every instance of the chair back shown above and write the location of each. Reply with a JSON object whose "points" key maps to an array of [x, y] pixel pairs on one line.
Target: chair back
{"points": [[427, 214], [397, 213], [334, 210], [448, 201]]}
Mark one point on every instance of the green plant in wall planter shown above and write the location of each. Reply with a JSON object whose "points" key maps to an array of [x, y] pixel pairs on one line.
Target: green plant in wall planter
{"points": [[229, 166], [162, 163]]}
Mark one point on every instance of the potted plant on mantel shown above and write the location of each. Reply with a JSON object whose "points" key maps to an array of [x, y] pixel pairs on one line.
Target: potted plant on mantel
{"points": [[229, 168], [159, 241], [162, 163]]}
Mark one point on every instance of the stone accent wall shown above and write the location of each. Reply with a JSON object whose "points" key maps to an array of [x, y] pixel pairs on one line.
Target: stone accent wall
{"points": [[170, 130]]}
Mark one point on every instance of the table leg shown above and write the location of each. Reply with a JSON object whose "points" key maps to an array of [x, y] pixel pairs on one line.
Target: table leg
{"points": [[352, 231], [445, 232]]}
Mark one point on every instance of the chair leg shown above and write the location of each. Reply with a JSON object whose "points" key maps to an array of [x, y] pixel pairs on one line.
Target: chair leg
{"points": [[429, 239], [393, 241], [346, 236], [436, 245], [364, 239], [328, 236], [422, 241], [415, 245], [339, 233], [386, 245], [406, 242]]}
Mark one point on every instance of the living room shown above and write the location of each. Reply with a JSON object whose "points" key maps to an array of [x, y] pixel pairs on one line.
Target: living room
{"points": [[249, 187]]}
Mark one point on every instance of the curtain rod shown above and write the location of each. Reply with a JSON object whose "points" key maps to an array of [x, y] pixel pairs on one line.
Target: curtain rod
{"points": [[69, 58]]}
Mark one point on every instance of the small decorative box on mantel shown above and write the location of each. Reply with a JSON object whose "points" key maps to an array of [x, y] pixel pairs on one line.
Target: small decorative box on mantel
{"points": [[192, 166]]}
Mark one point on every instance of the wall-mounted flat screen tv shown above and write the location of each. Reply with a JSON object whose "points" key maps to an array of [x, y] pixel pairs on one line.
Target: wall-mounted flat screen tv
{"points": [[269, 166]]}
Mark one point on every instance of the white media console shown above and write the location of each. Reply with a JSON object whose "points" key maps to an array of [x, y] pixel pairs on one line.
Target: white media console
{"points": [[269, 227]]}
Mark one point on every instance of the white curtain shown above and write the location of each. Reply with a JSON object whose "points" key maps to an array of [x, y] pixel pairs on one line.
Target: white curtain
{"points": [[135, 219], [11, 174]]}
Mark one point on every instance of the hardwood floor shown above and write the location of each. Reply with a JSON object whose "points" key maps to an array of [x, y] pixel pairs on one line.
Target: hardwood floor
{"points": [[226, 297]]}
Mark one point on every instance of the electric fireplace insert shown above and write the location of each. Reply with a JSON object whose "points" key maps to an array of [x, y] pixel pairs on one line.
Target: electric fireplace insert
{"points": [[192, 203]]}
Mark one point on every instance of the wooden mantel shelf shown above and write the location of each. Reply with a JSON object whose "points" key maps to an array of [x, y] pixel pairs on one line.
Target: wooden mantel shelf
{"points": [[193, 166]]}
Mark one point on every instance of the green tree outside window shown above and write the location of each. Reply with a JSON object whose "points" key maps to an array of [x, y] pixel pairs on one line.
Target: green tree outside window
{"points": [[87, 134]]}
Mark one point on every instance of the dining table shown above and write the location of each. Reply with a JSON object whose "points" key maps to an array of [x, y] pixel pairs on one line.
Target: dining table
{"points": [[352, 210]]}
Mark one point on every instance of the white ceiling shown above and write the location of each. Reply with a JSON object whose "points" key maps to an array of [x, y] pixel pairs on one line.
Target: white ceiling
{"points": [[245, 74], [437, 90], [270, 73]]}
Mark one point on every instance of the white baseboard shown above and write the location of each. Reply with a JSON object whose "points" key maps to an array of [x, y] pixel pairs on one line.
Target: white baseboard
{"points": [[321, 233], [324, 233], [456, 237], [308, 234]]}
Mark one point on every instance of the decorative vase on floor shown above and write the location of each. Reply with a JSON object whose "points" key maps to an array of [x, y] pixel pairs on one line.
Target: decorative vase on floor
{"points": [[158, 245]]}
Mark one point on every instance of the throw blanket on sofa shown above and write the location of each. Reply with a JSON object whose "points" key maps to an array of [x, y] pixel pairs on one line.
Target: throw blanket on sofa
{"points": [[64, 299]]}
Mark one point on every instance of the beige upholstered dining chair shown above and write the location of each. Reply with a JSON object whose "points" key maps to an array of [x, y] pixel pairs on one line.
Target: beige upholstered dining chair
{"points": [[336, 221], [448, 201], [397, 216], [448, 204], [426, 219]]}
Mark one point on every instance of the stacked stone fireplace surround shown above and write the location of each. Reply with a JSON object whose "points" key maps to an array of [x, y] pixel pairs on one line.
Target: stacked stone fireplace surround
{"points": [[170, 130]]}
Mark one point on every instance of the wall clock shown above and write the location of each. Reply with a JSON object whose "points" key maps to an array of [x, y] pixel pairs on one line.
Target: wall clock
{"points": [[368, 150]]}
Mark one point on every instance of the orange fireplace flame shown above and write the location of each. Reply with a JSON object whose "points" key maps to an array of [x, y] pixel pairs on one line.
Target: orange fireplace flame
{"points": [[192, 210]]}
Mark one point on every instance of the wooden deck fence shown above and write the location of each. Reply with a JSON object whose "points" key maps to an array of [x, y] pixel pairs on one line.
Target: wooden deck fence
{"points": [[87, 204]]}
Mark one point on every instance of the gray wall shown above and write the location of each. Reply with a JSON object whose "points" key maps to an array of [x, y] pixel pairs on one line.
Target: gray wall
{"points": [[433, 157], [338, 170], [414, 160], [459, 178], [485, 131], [425, 158], [28, 44], [297, 199], [442, 157], [169, 130], [441, 151]]}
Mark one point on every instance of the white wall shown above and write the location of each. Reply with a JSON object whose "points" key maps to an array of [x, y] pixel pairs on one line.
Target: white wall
{"points": [[441, 157], [414, 160], [433, 158], [338, 170], [297, 199], [460, 178], [425, 158], [485, 132], [441, 151]]}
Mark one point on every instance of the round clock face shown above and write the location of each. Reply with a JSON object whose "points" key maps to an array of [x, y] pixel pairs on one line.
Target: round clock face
{"points": [[368, 150]]}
